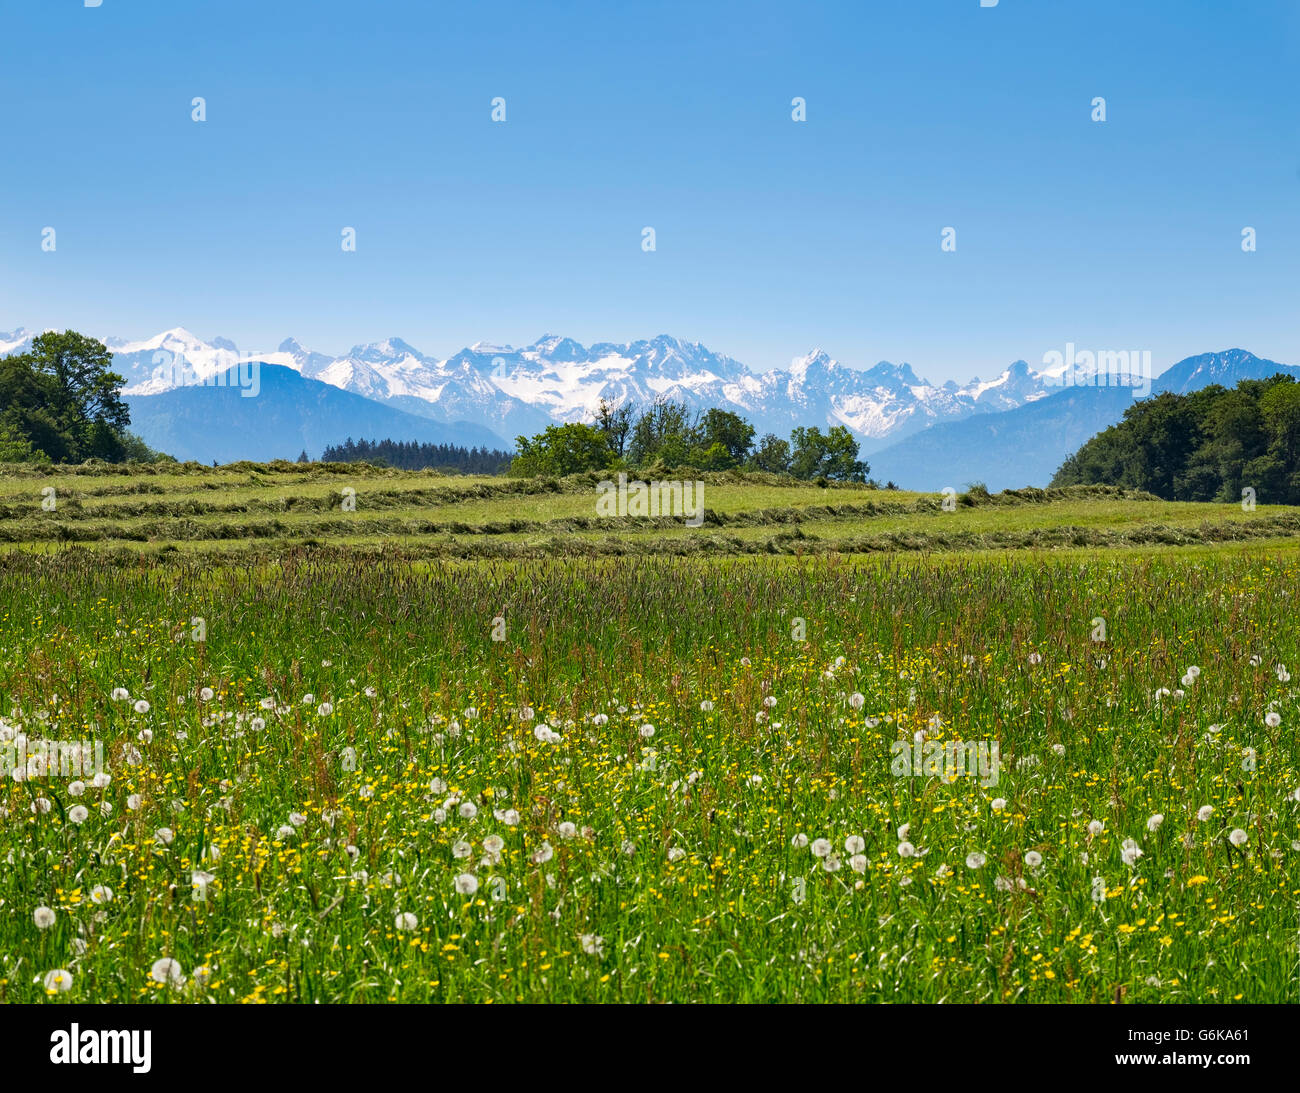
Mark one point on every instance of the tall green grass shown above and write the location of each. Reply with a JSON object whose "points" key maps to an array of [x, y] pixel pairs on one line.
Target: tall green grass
{"points": [[692, 882]]}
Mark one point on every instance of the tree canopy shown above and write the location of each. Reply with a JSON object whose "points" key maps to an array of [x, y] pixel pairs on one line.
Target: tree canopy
{"points": [[1209, 445], [59, 403], [667, 434], [411, 455]]}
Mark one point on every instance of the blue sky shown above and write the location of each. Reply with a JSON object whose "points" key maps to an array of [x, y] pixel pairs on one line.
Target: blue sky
{"points": [[772, 236]]}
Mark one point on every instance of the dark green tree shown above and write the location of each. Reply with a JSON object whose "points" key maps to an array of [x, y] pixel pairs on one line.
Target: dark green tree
{"points": [[663, 433], [1208, 445], [615, 422], [728, 431], [561, 450], [832, 455], [772, 456], [62, 396]]}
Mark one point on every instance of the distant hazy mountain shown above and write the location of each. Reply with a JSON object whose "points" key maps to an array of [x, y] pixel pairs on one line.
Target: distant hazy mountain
{"points": [[1026, 445], [290, 413], [1227, 368], [1021, 447]]}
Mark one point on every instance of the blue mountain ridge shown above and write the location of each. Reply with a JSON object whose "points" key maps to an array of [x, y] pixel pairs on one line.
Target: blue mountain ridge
{"points": [[288, 414], [1027, 445]]}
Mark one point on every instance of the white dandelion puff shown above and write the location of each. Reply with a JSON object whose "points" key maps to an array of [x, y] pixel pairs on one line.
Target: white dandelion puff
{"points": [[167, 972], [199, 881], [58, 981]]}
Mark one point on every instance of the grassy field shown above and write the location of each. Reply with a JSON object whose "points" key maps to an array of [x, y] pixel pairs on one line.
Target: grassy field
{"points": [[477, 761], [258, 511]]}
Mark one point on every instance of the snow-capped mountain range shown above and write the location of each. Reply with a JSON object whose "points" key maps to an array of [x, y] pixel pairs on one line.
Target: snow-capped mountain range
{"points": [[556, 379]]}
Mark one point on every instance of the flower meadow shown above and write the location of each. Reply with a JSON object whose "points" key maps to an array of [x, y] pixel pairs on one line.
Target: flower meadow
{"points": [[651, 780]]}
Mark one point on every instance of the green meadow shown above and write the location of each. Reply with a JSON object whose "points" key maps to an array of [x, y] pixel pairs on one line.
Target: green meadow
{"points": [[466, 741]]}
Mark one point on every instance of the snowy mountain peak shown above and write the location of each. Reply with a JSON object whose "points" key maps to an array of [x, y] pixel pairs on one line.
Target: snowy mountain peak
{"points": [[388, 350], [15, 342], [886, 372], [818, 360], [558, 348], [1225, 367], [557, 379], [176, 339]]}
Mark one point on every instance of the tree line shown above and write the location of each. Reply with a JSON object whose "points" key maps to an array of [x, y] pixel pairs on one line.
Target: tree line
{"points": [[413, 456], [668, 435], [59, 403], [1208, 445]]}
